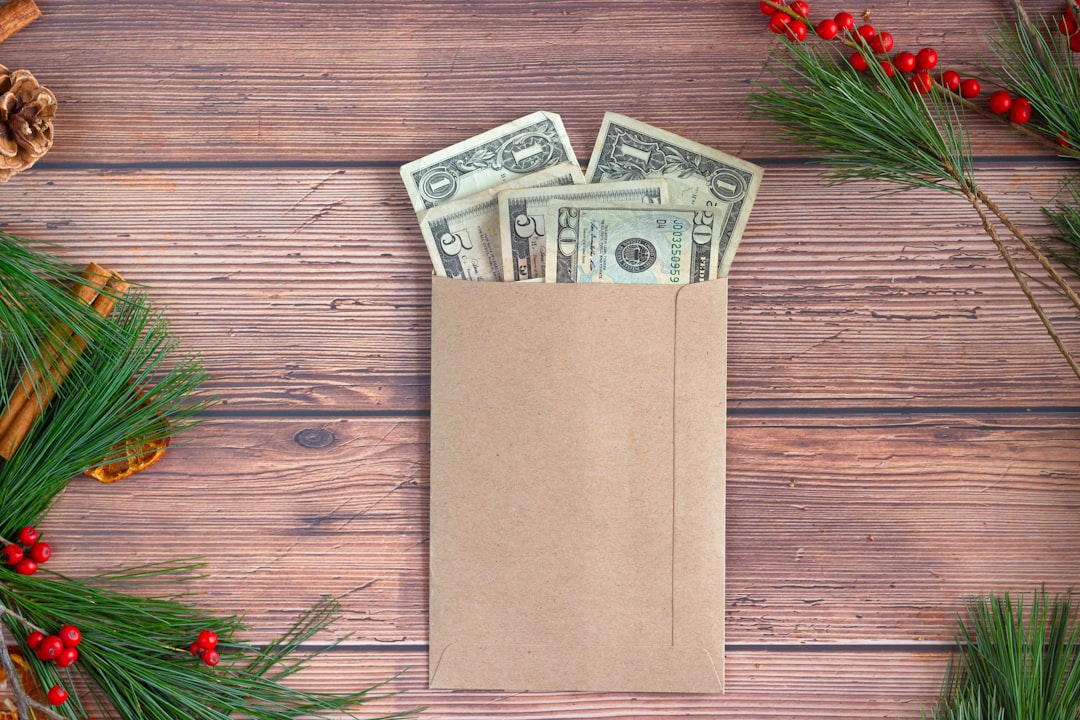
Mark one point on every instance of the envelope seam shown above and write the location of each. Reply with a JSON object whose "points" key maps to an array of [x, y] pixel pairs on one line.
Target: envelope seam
{"points": [[674, 450]]}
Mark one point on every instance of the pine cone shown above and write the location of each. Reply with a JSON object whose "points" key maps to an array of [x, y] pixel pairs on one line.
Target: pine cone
{"points": [[26, 113]]}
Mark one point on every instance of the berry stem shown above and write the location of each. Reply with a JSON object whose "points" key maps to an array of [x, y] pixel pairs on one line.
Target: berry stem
{"points": [[5, 610], [1044, 140]]}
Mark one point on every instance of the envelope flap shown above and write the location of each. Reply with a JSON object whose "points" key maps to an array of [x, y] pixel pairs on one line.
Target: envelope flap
{"points": [[560, 557]]}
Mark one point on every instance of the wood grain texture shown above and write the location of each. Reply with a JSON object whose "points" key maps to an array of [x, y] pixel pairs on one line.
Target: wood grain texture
{"points": [[760, 684], [294, 81], [840, 529], [902, 431], [309, 289]]}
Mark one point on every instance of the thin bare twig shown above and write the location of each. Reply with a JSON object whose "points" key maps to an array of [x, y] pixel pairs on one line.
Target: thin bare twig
{"points": [[1033, 249], [988, 225], [22, 700]]}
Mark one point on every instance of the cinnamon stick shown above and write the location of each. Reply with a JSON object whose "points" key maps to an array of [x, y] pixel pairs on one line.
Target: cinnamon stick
{"points": [[59, 362], [95, 277], [16, 15]]}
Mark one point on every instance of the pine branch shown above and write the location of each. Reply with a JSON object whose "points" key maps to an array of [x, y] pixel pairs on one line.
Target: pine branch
{"points": [[1034, 61], [1015, 665], [826, 106], [130, 385], [1066, 218], [134, 647]]}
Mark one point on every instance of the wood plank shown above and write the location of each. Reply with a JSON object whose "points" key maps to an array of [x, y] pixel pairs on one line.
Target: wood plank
{"points": [[308, 289], [392, 81], [835, 684], [840, 528]]}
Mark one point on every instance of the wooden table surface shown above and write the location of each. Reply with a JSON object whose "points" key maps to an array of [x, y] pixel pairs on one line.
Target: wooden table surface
{"points": [[902, 431]]}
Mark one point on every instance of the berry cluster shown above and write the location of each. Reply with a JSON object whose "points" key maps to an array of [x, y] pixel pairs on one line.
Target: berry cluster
{"points": [[792, 19], [29, 552], [205, 648], [58, 648], [1070, 28]]}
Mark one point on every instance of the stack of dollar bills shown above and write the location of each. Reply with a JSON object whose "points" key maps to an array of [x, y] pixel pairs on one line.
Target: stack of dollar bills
{"points": [[512, 205]]}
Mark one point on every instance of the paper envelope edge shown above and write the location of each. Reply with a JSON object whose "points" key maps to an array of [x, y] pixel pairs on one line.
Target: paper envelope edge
{"points": [[695, 663]]}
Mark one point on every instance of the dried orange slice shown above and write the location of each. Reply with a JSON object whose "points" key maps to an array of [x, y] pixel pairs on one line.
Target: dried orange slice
{"points": [[8, 710], [137, 457]]}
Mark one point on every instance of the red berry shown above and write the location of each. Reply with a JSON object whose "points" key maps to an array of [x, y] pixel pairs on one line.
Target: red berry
{"points": [[11, 554], [49, 648], [33, 640], [767, 9], [208, 639], [926, 59], [70, 635], [40, 552], [921, 82], [1063, 139], [1067, 24], [904, 61], [951, 80], [211, 658], [846, 21], [867, 32], [26, 566], [1000, 102], [778, 22], [800, 8], [1074, 42], [827, 29], [196, 649], [970, 88], [1020, 112], [57, 695], [796, 30], [859, 62], [888, 68], [28, 535], [67, 657], [882, 42]]}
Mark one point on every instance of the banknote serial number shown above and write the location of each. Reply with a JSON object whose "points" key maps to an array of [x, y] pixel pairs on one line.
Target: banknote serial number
{"points": [[675, 228]]}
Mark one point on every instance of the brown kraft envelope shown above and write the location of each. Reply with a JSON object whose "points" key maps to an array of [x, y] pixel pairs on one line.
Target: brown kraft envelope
{"points": [[577, 486]]}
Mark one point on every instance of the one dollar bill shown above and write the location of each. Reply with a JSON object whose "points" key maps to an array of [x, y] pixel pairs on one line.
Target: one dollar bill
{"points": [[462, 237], [627, 149], [630, 244], [522, 218], [500, 155]]}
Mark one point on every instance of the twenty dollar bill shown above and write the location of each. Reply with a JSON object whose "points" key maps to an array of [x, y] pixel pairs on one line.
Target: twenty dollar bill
{"points": [[630, 244], [462, 237], [522, 218], [500, 155], [627, 149]]}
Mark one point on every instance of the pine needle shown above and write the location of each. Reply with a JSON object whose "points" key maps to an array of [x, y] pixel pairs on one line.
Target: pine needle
{"points": [[1015, 664], [35, 299], [869, 126], [135, 650], [866, 129], [1035, 62], [1066, 218], [131, 385]]}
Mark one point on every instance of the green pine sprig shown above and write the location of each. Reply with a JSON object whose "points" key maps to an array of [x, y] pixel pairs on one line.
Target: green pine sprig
{"points": [[1065, 215], [134, 651], [1015, 662], [871, 126], [132, 384], [1035, 62], [34, 303]]}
